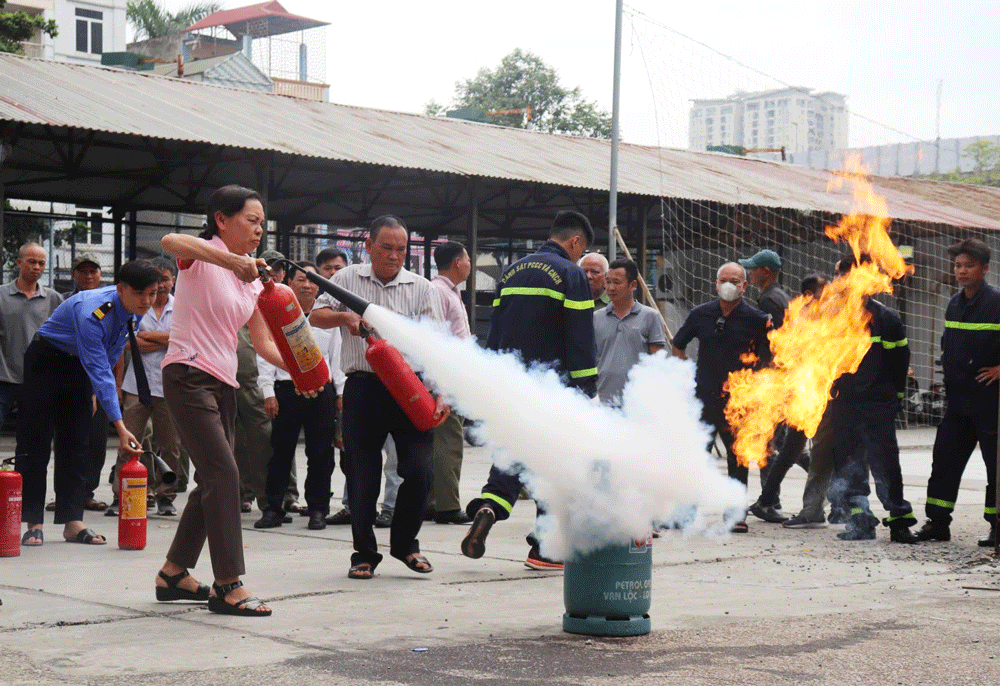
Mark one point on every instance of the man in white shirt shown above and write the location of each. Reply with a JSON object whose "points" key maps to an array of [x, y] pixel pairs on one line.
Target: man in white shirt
{"points": [[153, 335], [290, 413]]}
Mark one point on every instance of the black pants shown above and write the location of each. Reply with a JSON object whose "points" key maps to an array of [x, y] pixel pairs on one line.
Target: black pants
{"points": [[956, 438], [787, 457], [54, 402], [870, 424], [316, 417], [370, 414], [500, 494], [97, 449], [713, 413]]}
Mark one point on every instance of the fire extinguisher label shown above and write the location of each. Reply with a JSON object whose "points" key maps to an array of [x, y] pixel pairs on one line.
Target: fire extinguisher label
{"points": [[133, 498], [302, 344]]}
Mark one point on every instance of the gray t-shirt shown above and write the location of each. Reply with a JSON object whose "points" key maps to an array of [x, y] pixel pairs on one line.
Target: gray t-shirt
{"points": [[620, 342], [20, 318]]}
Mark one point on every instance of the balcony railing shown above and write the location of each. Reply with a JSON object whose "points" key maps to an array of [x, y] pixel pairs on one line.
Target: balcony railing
{"points": [[32, 49], [301, 89]]}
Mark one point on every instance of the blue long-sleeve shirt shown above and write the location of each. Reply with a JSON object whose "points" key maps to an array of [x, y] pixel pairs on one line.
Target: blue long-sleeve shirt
{"points": [[93, 325]]}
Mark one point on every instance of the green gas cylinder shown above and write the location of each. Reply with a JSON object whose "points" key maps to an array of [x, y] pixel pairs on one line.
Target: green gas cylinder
{"points": [[607, 592]]}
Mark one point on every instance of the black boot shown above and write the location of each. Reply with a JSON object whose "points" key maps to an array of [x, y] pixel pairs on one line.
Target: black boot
{"points": [[269, 520], [860, 527], [934, 531], [991, 540], [900, 533]]}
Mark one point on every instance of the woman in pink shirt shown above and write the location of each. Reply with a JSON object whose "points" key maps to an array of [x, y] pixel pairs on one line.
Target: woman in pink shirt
{"points": [[217, 289]]}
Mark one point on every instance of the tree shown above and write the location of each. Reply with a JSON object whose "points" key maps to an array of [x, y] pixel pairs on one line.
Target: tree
{"points": [[984, 155], [16, 27], [985, 158], [18, 230], [523, 79], [151, 20]]}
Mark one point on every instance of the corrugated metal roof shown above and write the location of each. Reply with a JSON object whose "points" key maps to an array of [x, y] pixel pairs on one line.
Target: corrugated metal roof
{"points": [[233, 70], [237, 19], [140, 104]]}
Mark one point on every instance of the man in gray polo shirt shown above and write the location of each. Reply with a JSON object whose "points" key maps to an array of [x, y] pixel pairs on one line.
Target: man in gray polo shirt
{"points": [[25, 304], [623, 331]]}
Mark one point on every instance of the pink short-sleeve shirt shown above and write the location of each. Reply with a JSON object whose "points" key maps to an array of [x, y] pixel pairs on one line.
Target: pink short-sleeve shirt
{"points": [[210, 306]]}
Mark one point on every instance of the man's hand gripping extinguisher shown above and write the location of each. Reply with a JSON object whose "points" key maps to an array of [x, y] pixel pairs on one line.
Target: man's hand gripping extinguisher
{"points": [[388, 364]]}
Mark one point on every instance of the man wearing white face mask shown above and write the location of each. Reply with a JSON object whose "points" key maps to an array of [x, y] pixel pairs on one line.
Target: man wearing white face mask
{"points": [[727, 329]]}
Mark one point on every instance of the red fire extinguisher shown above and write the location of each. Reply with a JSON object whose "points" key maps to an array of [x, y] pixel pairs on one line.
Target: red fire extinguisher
{"points": [[10, 510], [132, 484], [388, 364], [400, 380], [291, 332]]}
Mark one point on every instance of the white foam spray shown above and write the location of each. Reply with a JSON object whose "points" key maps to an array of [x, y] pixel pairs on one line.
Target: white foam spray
{"points": [[603, 474]]}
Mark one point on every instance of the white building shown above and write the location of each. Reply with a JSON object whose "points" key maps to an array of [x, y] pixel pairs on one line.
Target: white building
{"points": [[794, 118], [87, 28]]}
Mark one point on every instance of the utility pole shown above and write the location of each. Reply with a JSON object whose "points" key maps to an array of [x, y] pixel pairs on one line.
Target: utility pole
{"points": [[937, 130], [613, 195]]}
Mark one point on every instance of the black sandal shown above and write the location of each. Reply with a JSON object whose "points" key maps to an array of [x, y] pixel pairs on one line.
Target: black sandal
{"points": [[362, 570], [32, 535], [173, 592], [418, 559], [241, 608]]}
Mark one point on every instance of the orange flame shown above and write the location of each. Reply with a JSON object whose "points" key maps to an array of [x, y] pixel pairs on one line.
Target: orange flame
{"points": [[820, 339]]}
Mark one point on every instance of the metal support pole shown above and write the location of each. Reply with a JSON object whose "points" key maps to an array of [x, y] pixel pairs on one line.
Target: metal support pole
{"points": [[133, 235], [613, 195], [427, 257], [472, 247], [118, 217]]}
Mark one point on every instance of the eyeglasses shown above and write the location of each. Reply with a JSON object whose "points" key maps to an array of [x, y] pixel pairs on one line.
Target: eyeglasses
{"points": [[720, 326]]}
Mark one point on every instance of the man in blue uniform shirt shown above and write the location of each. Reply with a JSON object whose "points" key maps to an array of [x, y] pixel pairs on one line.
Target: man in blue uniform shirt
{"points": [[543, 310], [731, 335], [74, 352], [970, 356]]}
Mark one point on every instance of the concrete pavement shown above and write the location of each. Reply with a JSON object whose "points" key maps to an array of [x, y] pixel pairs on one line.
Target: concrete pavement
{"points": [[772, 607]]}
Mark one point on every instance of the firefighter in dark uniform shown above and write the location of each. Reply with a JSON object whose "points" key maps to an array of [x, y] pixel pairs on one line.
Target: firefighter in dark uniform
{"points": [[73, 352], [863, 413], [970, 355], [543, 310]]}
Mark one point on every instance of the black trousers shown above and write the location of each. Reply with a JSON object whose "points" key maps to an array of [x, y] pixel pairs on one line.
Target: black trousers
{"points": [[370, 414], [97, 449], [54, 403], [713, 413], [500, 495], [317, 417], [791, 449], [870, 424], [957, 436]]}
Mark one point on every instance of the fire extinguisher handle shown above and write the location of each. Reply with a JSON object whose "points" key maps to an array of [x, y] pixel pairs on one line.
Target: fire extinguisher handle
{"points": [[364, 330]]}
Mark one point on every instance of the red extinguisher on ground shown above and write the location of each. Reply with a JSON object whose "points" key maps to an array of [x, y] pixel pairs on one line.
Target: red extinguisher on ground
{"points": [[132, 487], [292, 334], [10, 510], [388, 364]]}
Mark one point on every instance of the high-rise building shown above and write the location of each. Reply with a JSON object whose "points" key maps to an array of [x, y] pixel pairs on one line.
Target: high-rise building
{"points": [[794, 118]]}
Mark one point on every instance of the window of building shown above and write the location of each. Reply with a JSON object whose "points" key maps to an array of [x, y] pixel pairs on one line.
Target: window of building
{"points": [[710, 110], [695, 113], [709, 121], [752, 106], [770, 114], [726, 110], [800, 103], [89, 31], [783, 103]]}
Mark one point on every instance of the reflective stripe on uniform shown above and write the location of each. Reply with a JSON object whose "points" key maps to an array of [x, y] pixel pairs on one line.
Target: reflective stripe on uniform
{"points": [[547, 293], [908, 515], [858, 511], [889, 345], [941, 503], [580, 373], [989, 510], [971, 326], [500, 501]]}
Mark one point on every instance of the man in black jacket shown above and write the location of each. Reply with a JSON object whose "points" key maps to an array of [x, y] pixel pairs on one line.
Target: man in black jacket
{"points": [[544, 310], [970, 356], [863, 413]]}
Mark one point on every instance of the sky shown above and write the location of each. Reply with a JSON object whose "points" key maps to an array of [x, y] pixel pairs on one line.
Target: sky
{"points": [[887, 56]]}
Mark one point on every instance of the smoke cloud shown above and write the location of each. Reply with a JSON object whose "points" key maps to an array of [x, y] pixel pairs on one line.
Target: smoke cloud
{"points": [[603, 474]]}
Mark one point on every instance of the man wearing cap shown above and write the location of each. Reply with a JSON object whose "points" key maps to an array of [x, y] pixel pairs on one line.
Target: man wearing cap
{"points": [[24, 305], [762, 271], [86, 273]]}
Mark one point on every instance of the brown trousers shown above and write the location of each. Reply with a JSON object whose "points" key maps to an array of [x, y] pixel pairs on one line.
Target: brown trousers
{"points": [[204, 410], [448, 447]]}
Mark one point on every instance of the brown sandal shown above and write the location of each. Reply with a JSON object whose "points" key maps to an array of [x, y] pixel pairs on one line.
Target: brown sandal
{"points": [[362, 570]]}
